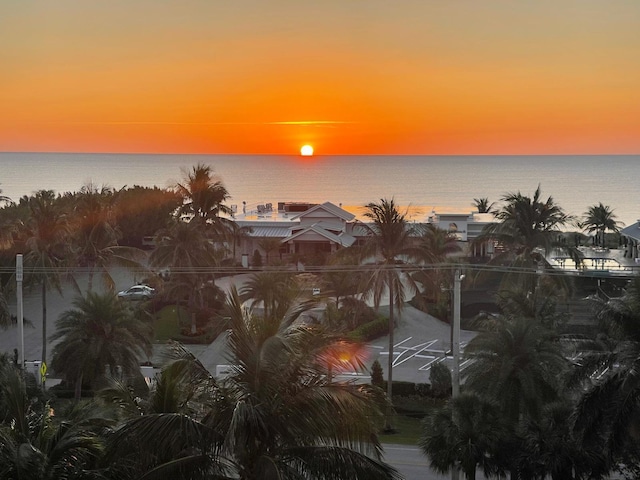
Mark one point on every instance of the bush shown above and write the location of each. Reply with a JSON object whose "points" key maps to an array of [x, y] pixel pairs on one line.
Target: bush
{"points": [[408, 389], [440, 378], [377, 378], [371, 330]]}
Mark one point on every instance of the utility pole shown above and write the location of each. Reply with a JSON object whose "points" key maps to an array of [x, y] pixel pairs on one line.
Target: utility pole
{"points": [[20, 319], [455, 350], [455, 375]]}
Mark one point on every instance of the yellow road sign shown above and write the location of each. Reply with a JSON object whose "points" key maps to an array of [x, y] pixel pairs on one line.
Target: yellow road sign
{"points": [[43, 369]]}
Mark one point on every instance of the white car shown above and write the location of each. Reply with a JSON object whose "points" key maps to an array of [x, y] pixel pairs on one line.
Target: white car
{"points": [[137, 292]]}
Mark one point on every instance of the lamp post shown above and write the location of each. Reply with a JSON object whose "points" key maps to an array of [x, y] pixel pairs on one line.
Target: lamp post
{"points": [[20, 319]]}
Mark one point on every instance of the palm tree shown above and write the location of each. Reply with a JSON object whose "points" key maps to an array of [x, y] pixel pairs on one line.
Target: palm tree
{"points": [[464, 434], [268, 245], [388, 245], [5, 314], [45, 237], [276, 291], [600, 218], [483, 205], [185, 249], [527, 231], [203, 198], [525, 225], [275, 416], [36, 445], [607, 415], [101, 330], [4, 199], [551, 448], [434, 246], [519, 365], [238, 234]]}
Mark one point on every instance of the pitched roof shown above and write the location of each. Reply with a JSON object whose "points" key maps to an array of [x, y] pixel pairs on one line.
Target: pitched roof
{"points": [[273, 231], [632, 231], [343, 239], [330, 208]]}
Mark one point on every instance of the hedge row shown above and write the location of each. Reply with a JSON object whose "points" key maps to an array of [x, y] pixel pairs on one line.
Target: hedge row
{"points": [[371, 330]]}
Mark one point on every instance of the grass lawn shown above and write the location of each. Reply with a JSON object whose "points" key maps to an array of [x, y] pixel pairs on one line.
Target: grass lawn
{"points": [[408, 431], [166, 324]]}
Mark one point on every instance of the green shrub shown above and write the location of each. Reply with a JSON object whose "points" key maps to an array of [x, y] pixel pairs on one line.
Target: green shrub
{"points": [[370, 330], [440, 378], [408, 389], [377, 377]]}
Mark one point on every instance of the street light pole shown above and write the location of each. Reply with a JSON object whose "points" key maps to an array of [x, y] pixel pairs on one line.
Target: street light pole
{"points": [[20, 319]]}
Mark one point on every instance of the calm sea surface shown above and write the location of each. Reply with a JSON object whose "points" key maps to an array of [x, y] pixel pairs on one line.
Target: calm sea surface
{"points": [[440, 183]]}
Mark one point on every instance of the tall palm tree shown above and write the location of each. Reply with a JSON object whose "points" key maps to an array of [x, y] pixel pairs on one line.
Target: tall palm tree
{"points": [[527, 231], [203, 198], [388, 246], [275, 416], [100, 330], [527, 224], [45, 236], [600, 218], [482, 205]]}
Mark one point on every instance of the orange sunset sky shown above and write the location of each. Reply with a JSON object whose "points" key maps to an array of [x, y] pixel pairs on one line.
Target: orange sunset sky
{"points": [[346, 76]]}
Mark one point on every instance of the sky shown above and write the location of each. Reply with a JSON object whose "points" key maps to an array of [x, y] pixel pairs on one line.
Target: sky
{"points": [[480, 77]]}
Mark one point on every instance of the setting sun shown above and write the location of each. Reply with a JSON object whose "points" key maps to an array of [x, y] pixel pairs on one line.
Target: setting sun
{"points": [[306, 151]]}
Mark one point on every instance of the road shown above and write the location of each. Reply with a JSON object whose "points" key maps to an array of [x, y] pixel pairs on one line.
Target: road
{"points": [[410, 462]]}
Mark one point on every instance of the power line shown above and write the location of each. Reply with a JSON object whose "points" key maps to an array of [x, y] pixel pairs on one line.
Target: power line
{"points": [[349, 268]]}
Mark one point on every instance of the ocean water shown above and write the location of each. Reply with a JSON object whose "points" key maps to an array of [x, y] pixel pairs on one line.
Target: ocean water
{"points": [[424, 183]]}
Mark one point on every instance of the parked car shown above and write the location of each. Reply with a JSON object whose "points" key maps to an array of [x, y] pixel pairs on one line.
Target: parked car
{"points": [[137, 292]]}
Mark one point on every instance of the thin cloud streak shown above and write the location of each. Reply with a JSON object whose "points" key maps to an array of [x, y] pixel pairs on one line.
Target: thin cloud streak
{"points": [[284, 123]]}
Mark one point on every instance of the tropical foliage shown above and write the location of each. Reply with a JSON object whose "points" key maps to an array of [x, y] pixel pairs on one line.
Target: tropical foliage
{"points": [[465, 434], [277, 415], [527, 225], [598, 219], [203, 197], [34, 444], [387, 247], [95, 236], [608, 417], [483, 205], [527, 231], [45, 236], [100, 332]]}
